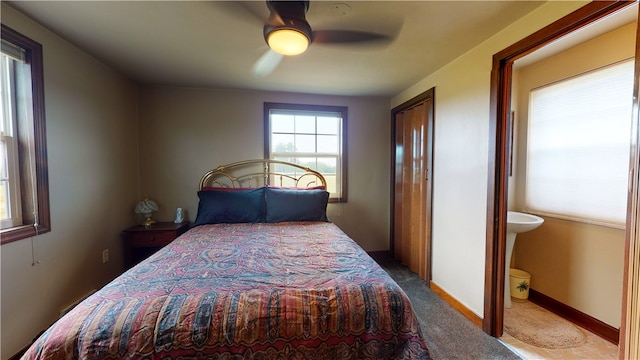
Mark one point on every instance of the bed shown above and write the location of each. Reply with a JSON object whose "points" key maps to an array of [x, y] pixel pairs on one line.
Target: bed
{"points": [[262, 274]]}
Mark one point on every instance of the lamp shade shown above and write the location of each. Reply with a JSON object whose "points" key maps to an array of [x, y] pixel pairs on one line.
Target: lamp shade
{"points": [[288, 41], [146, 207]]}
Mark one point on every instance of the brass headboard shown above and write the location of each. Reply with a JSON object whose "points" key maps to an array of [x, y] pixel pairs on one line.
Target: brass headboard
{"points": [[262, 172]]}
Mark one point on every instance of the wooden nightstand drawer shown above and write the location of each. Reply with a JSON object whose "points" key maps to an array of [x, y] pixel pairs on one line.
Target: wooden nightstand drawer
{"points": [[142, 241], [151, 239]]}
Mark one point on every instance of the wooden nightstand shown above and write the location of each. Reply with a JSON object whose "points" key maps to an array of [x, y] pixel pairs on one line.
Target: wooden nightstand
{"points": [[142, 241]]}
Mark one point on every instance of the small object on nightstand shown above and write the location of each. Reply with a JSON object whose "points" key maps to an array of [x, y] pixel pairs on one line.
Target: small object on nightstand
{"points": [[179, 217], [142, 241], [146, 207]]}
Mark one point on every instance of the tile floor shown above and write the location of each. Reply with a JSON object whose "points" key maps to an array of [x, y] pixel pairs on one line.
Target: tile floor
{"points": [[595, 348]]}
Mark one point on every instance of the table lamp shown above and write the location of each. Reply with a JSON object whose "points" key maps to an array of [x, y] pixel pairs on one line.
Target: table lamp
{"points": [[146, 207]]}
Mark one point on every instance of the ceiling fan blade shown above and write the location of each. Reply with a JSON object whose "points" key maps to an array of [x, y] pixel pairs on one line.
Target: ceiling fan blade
{"points": [[246, 11], [348, 37], [266, 63]]}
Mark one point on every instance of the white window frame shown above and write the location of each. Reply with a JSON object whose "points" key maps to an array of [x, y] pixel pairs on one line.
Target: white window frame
{"points": [[339, 194], [10, 146]]}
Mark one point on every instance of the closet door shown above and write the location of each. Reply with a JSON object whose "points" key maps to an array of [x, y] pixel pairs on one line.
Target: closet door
{"points": [[412, 187]]}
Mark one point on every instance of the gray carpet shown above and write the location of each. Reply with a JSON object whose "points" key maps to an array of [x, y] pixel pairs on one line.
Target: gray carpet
{"points": [[448, 334]]}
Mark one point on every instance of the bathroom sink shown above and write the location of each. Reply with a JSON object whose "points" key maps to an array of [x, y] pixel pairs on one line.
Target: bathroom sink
{"points": [[518, 222]]}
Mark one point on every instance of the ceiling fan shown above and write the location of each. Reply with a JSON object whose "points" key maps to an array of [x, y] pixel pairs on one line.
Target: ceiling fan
{"points": [[288, 33]]}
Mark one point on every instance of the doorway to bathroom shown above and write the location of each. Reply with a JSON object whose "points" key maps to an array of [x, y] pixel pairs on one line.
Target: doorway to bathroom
{"points": [[499, 171], [570, 166]]}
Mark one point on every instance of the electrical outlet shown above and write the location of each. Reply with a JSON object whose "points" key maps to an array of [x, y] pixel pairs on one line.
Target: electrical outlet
{"points": [[105, 255]]}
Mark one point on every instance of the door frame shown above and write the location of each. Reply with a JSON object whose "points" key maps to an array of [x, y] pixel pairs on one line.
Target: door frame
{"points": [[429, 141], [499, 148]]}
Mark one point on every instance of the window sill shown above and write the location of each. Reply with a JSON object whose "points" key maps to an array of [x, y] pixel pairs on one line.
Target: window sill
{"points": [[578, 220], [21, 232]]}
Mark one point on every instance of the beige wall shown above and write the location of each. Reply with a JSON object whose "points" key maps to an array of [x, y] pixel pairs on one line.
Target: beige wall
{"points": [[461, 157], [93, 182], [578, 264], [187, 131]]}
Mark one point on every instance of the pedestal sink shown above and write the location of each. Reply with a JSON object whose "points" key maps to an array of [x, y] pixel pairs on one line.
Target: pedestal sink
{"points": [[517, 222]]}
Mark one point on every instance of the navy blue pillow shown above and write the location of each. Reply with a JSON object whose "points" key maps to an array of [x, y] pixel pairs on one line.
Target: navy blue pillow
{"points": [[242, 206], [296, 205]]}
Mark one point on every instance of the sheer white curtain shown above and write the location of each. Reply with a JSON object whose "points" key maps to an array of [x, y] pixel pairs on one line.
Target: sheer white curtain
{"points": [[578, 146]]}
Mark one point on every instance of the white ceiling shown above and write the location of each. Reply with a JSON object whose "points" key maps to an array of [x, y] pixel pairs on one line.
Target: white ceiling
{"points": [[215, 43]]}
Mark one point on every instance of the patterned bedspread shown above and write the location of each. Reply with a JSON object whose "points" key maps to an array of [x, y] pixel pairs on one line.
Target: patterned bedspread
{"points": [[244, 291]]}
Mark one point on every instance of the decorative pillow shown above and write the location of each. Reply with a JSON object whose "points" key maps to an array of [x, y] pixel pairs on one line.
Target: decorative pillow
{"points": [[243, 206], [213, 188], [296, 205], [319, 187]]}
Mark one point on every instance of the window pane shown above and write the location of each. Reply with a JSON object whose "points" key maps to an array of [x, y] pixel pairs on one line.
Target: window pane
{"points": [[282, 143], [3, 116], [305, 124], [328, 125], [328, 144], [306, 161], [282, 123], [5, 130], [280, 168], [4, 166], [328, 165], [4, 201], [306, 143], [5, 206], [5, 104]]}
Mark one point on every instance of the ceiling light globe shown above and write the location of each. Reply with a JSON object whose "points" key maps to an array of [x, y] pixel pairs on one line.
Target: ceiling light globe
{"points": [[288, 41]]}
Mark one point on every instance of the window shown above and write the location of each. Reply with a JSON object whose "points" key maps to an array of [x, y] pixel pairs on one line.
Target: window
{"points": [[10, 207], [312, 136], [24, 188], [578, 145]]}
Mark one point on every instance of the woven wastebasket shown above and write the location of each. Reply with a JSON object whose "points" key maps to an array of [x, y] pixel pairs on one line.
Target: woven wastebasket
{"points": [[519, 284]]}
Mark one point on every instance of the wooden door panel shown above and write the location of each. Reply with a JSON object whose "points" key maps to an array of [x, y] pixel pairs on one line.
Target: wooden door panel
{"points": [[412, 205], [398, 189]]}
